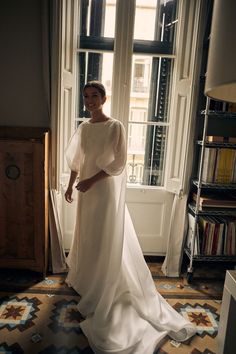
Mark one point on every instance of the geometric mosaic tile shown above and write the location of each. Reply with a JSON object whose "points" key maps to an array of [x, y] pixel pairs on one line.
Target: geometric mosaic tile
{"points": [[160, 351], [167, 286], [18, 313], [206, 351], [10, 349], [66, 317], [204, 317], [49, 281], [52, 349]]}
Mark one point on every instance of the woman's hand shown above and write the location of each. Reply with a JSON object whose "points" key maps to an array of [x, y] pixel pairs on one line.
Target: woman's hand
{"points": [[68, 195], [85, 185]]}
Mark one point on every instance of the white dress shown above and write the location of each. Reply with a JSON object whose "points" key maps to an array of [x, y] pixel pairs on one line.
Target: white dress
{"points": [[124, 313]]}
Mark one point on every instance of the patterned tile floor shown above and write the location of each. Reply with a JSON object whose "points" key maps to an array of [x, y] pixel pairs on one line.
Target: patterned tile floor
{"points": [[40, 315]]}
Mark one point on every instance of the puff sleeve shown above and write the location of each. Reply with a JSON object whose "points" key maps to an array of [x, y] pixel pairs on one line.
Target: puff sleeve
{"points": [[73, 151], [113, 160]]}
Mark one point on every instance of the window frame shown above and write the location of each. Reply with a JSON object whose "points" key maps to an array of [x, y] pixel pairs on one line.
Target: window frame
{"points": [[124, 48], [122, 86]]}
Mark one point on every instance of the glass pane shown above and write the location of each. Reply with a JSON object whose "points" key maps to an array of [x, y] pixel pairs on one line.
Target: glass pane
{"points": [[146, 154], [137, 132], [94, 66], [155, 155], [141, 74], [150, 86], [135, 168], [155, 20], [149, 102], [97, 18]]}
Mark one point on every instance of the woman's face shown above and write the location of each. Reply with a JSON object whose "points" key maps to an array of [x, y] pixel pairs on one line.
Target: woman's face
{"points": [[93, 99]]}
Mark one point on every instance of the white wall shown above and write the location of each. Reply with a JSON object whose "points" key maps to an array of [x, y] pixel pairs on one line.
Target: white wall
{"points": [[22, 97]]}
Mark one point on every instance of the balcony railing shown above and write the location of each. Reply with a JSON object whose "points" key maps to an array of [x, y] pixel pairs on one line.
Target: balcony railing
{"points": [[135, 170]]}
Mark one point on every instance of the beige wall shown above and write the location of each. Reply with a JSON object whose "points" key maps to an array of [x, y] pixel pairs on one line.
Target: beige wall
{"points": [[22, 96]]}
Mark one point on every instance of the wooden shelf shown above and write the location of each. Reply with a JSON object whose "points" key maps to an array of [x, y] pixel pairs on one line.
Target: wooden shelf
{"points": [[219, 114], [219, 186], [209, 258]]}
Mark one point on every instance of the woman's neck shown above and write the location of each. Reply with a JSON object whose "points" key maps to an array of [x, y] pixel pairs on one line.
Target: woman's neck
{"points": [[98, 116]]}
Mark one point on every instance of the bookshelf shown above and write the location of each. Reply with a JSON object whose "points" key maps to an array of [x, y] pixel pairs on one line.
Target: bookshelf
{"points": [[212, 201]]}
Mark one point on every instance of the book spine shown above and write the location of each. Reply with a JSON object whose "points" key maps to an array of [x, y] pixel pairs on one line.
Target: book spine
{"points": [[224, 166]]}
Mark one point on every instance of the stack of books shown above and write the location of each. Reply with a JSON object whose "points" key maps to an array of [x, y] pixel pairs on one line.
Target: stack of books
{"points": [[219, 164], [215, 200], [215, 236]]}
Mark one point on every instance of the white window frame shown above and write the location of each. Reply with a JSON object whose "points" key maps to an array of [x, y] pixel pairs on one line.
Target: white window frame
{"points": [[66, 47]]}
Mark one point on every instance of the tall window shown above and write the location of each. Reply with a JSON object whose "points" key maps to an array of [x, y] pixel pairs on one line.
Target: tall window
{"points": [[150, 79]]}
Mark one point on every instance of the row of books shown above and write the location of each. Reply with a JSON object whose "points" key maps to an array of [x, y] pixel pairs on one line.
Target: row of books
{"points": [[217, 199], [220, 139], [219, 165], [215, 235]]}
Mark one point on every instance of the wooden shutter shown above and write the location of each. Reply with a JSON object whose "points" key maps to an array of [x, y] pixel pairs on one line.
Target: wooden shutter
{"points": [[184, 94], [65, 24]]}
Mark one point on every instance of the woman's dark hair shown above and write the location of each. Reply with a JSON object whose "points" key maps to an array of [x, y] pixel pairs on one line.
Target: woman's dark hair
{"points": [[98, 85]]}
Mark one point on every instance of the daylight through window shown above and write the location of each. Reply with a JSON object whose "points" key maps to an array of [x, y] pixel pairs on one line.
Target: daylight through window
{"points": [[151, 77]]}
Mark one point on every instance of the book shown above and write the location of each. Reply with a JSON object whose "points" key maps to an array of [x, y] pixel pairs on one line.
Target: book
{"points": [[217, 235], [220, 139], [234, 171], [204, 226], [232, 107], [221, 236], [224, 165], [190, 235], [214, 139], [232, 139], [215, 238], [229, 241], [208, 166], [209, 236], [215, 200], [219, 164]]}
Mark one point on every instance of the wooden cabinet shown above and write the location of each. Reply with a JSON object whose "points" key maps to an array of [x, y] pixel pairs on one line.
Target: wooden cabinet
{"points": [[24, 198]]}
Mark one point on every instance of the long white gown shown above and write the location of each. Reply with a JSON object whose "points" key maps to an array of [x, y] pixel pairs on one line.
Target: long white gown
{"points": [[124, 313]]}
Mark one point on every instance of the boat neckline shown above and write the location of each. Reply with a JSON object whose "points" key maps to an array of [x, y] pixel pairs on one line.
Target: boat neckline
{"points": [[100, 122]]}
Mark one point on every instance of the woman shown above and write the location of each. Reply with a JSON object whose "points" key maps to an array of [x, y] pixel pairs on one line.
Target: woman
{"points": [[123, 312]]}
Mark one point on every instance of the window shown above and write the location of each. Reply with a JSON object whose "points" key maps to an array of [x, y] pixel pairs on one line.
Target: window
{"points": [[141, 75], [160, 108], [151, 38], [136, 145]]}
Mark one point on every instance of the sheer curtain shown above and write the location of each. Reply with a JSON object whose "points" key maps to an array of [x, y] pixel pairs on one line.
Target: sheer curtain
{"points": [[173, 260], [58, 261]]}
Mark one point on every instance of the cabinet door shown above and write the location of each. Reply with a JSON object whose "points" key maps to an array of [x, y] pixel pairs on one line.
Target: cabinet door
{"points": [[22, 224]]}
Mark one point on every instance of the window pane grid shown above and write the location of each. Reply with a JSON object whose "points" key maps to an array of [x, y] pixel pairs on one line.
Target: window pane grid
{"points": [[146, 153], [97, 18], [158, 124], [153, 47], [94, 66], [155, 20], [152, 64], [98, 43]]}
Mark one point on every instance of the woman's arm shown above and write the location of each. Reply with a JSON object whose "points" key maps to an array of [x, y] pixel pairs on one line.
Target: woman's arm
{"points": [[68, 193], [117, 143], [87, 183]]}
